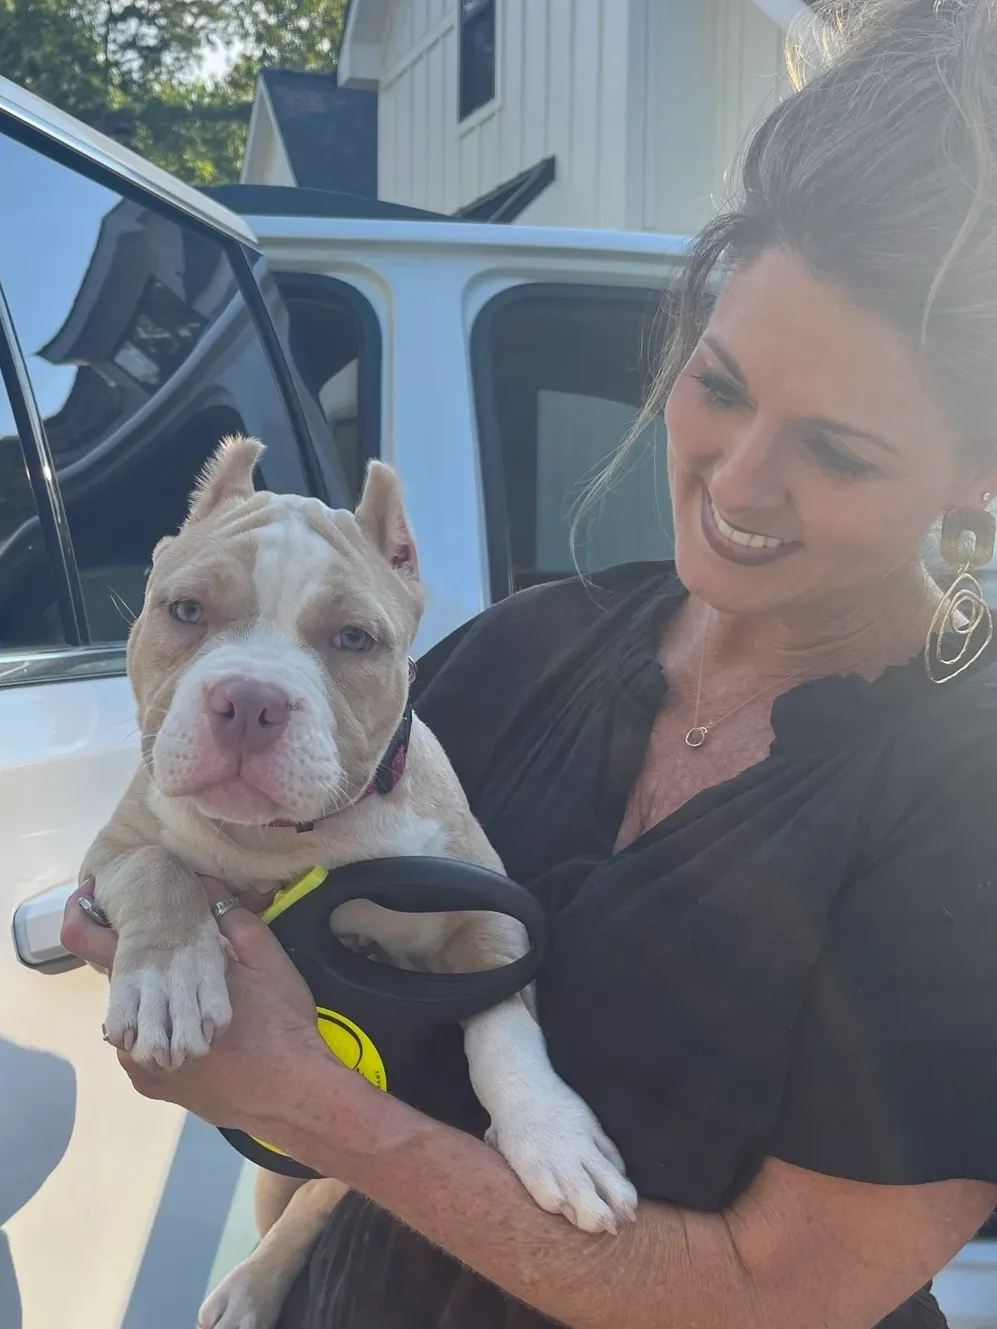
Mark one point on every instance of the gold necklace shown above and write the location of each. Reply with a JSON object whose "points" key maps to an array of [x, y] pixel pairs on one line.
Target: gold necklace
{"points": [[699, 733]]}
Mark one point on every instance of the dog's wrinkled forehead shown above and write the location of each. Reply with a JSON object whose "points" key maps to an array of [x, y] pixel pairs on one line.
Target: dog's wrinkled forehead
{"points": [[274, 559], [277, 559]]}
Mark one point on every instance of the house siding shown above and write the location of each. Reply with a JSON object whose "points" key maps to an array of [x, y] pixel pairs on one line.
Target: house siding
{"points": [[266, 160], [642, 102]]}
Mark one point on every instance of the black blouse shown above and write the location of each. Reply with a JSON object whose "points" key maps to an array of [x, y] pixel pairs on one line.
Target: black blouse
{"points": [[798, 962]]}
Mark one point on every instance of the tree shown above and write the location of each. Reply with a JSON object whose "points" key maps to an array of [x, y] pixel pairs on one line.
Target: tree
{"points": [[134, 68], [295, 34]]}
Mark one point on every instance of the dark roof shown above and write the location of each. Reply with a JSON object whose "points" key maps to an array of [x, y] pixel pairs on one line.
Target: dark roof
{"points": [[330, 132], [508, 200], [289, 201]]}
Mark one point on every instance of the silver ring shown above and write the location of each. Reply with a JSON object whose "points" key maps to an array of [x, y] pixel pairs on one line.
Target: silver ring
{"points": [[222, 907], [93, 911]]}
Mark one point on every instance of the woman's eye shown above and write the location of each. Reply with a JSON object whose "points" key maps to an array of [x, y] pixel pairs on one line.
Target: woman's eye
{"points": [[834, 459], [720, 392], [187, 611], [352, 639]]}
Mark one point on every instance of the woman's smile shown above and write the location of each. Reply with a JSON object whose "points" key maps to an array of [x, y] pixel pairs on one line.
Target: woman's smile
{"points": [[749, 548]]}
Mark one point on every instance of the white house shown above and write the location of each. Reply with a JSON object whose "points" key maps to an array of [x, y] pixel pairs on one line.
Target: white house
{"points": [[604, 113]]}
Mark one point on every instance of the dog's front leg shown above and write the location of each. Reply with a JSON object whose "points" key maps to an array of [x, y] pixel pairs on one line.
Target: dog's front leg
{"points": [[168, 992], [547, 1134]]}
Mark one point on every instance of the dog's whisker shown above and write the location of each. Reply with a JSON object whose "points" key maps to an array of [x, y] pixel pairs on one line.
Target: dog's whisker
{"points": [[123, 608]]}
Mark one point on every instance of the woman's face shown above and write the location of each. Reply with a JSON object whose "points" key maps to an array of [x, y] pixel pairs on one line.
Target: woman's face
{"points": [[806, 457]]}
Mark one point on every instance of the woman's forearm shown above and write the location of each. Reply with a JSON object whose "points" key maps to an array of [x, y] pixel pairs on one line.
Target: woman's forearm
{"points": [[670, 1268]]}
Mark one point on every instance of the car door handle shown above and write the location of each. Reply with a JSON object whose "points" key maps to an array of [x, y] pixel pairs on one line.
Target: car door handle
{"points": [[36, 929]]}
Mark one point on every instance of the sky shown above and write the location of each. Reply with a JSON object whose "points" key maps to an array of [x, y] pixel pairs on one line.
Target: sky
{"points": [[218, 60]]}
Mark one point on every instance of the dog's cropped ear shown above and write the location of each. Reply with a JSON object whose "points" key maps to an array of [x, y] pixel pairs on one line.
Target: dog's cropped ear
{"points": [[162, 544], [227, 477], [381, 516]]}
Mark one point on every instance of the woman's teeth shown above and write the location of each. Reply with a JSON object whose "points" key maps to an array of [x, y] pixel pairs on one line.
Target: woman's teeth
{"points": [[747, 538]]}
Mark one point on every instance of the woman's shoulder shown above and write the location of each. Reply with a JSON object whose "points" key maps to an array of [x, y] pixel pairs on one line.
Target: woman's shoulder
{"points": [[954, 728]]}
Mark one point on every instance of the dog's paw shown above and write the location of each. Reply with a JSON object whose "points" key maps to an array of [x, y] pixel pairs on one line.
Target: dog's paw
{"points": [[566, 1161], [166, 1004], [241, 1301]]}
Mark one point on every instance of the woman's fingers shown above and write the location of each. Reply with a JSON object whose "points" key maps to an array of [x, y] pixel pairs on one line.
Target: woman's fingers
{"points": [[254, 901], [251, 939], [81, 936], [85, 938]]}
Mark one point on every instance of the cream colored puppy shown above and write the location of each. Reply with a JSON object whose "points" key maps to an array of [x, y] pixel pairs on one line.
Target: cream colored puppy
{"points": [[270, 668]]}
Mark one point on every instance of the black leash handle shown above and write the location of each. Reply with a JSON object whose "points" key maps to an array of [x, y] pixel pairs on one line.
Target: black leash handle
{"points": [[411, 885]]}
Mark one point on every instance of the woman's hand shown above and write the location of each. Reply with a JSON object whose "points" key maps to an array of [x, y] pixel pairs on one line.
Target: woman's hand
{"points": [[242, 1081]]}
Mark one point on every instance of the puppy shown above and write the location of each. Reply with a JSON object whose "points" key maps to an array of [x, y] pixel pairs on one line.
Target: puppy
{"points": [[270, 666]]}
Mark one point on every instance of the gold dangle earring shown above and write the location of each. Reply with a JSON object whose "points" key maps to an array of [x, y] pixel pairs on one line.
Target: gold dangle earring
{"points": [[963, 626]]}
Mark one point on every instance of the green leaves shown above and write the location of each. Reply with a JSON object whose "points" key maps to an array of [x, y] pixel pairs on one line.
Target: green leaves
{"points": [[136, 69]]}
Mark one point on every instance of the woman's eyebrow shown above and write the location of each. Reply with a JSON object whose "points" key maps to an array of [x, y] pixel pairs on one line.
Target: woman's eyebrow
{"points": [[818, 421], [838, 427], [730, 364]]}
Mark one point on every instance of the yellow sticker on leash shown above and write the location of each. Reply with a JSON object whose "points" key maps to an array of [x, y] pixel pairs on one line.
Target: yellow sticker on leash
{"points": [[349, 1044]]}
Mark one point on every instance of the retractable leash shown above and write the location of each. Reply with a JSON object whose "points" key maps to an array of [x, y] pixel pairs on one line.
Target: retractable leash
{"points": [[372, 1017]]}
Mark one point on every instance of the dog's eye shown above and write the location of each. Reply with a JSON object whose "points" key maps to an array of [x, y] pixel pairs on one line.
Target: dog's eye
{"points": [[187, 611], [352, 639]]}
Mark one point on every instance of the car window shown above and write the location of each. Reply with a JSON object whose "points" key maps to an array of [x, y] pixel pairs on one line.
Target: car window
{"points": [[334, 339], [142, 355], [29, 609], [559, 377]]}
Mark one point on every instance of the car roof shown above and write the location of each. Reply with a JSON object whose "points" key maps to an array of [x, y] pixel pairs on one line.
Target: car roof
{"points": [[31, 111]]}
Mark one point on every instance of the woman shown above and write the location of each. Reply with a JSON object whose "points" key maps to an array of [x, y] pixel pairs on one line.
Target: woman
{"points": [[764, 836]]}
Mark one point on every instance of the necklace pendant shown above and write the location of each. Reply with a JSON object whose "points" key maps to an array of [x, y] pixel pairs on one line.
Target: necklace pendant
{"points": [[696, 736]]}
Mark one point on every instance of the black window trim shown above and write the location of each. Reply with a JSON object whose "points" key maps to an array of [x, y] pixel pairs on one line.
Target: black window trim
{"points": [[462, 20], [498, 545], [370, 370], [30, 429]]}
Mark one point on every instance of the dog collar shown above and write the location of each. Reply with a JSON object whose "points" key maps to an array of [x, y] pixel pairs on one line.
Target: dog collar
{"points": [[390, 770]]}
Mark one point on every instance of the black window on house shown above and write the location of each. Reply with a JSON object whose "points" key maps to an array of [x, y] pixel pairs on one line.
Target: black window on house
{"points": [[477, 54]]}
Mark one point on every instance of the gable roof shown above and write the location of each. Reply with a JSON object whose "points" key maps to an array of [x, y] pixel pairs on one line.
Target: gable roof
{"points": [[329, 133]]}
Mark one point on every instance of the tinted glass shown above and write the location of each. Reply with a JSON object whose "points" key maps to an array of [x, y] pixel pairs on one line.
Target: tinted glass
{"points": [[142, 354], [477, 54], [334, 342], [29, 615], [566, 376]]}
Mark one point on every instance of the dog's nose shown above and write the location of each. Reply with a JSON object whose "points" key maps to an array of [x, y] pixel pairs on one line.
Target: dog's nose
{"points": [[247, 716]]}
